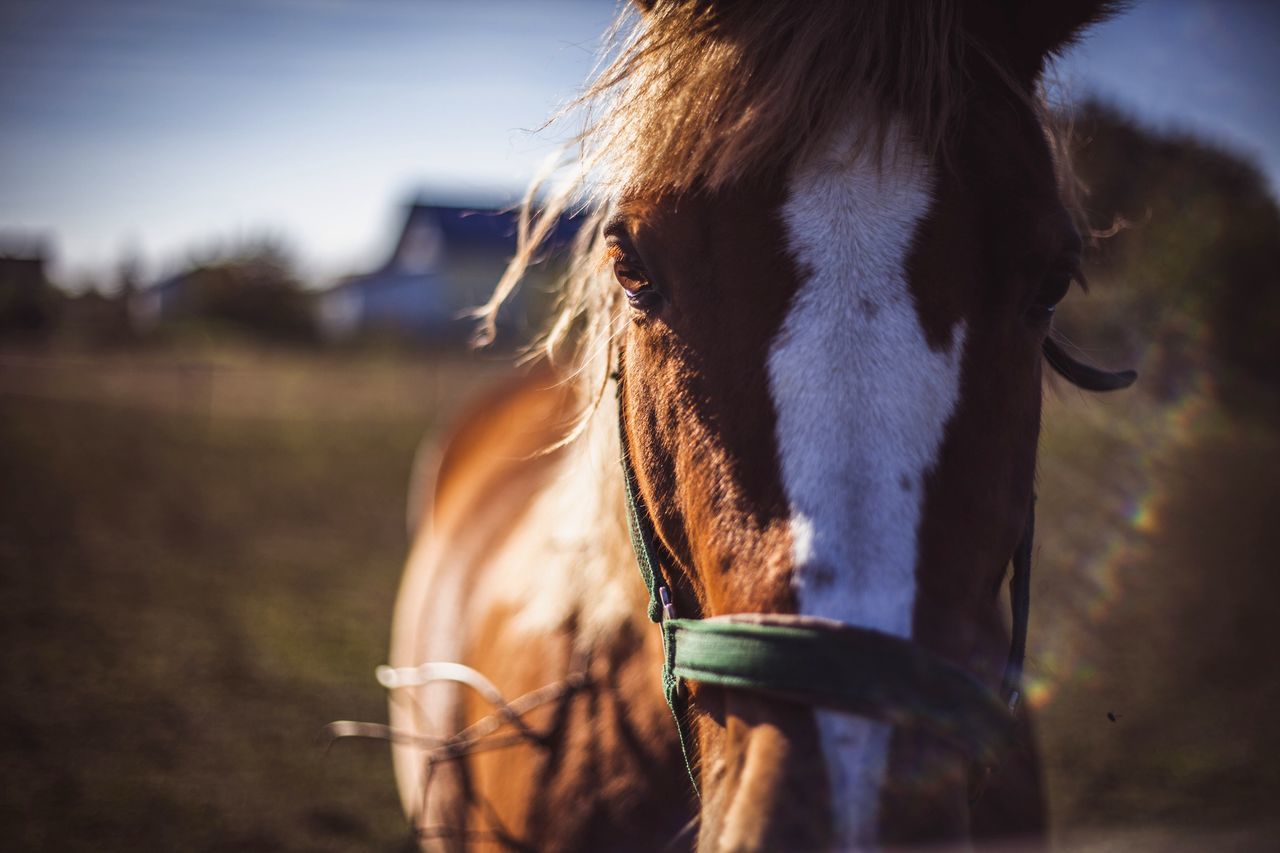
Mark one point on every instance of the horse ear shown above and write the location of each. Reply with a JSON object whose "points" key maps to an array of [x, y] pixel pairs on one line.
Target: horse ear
{"points": [[1082, 375], [1039, 29]]}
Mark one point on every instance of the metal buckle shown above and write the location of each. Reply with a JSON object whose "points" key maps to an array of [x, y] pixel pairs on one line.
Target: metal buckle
{"points": [[668, 607]]}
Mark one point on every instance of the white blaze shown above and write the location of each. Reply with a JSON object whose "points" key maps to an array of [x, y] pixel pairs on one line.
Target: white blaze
{"points": [[862, 404]]}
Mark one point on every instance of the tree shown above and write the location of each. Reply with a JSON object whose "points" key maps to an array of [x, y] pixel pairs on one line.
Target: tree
{"points": [[252, 288], [1196, 261]]}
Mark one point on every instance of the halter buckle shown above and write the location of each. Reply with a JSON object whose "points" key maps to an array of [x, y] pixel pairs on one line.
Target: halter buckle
{"points": [[668, 606]]}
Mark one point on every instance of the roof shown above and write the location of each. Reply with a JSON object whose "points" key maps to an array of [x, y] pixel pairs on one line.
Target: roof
{"points": [[430, 228]]}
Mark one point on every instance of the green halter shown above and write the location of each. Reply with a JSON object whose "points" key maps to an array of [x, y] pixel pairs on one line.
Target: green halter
{"points": [[825, 663]]}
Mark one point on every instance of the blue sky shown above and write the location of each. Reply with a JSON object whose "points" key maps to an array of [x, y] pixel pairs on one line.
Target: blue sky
{"points": [[1210, 66], [159, 126]]}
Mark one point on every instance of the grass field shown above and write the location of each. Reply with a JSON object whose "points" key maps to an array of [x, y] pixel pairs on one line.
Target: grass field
{"points": [[1156, 599], [199, 558], [199, 552]]}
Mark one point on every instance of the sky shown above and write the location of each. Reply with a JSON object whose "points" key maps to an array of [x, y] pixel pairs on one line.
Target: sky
{"points": [[155, 128]]}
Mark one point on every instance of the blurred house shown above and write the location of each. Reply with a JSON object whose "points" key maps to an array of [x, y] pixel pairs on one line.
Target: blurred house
{"points": [[164, 300], [445, 262], [29, 304]]}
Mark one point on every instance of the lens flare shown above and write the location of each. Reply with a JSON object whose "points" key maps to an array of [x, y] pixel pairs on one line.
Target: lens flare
{"points": [[1091, 570]]}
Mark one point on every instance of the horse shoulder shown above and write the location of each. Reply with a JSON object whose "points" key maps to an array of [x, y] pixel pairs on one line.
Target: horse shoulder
{"points": [[465, 495], [516, 571]]}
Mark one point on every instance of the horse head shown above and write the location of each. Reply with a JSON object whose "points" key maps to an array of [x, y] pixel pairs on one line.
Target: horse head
{"points": [[830, 358]]}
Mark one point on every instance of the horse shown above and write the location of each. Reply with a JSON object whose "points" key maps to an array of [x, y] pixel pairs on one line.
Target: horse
{"points": [[797, 379]]}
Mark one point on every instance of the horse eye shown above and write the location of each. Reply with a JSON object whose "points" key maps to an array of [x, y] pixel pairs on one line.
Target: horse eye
{"points": [[1053, 289], [644, 297], [634, 280]]}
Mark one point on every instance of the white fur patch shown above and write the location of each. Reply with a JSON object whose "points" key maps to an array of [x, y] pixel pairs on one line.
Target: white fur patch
{"points": [[862, 405]]}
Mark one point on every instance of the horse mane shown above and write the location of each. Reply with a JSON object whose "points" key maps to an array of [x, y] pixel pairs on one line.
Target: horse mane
{"points": [[704, 94], [701, 95]]}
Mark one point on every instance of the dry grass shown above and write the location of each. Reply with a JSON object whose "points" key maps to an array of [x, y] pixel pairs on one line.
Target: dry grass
{"points": [[198, 555], [1154, 599], [198, 562]]}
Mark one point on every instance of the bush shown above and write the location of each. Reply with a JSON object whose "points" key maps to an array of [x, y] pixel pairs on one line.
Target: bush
{"points": [[29, 305], [1196, 264], [252, 288]]}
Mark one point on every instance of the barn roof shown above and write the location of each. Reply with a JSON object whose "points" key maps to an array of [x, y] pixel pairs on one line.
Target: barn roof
{"points": [[434, 228]]}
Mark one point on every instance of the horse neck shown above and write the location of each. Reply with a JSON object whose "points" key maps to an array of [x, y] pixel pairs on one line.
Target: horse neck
{"points": [[591, 582]]}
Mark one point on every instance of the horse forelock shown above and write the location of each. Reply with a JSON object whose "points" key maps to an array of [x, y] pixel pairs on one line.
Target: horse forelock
{"points": [[703, 94]]}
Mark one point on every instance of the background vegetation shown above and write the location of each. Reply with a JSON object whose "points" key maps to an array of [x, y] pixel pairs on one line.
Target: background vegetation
{"points": [[1188, 269]]}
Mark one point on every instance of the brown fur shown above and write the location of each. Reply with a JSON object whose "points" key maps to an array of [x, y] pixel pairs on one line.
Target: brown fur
{"points": [[610, 753]]}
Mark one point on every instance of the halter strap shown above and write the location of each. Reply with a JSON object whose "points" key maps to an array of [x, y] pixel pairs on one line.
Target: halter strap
{"points": [[826, 663], [845, 668]]}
